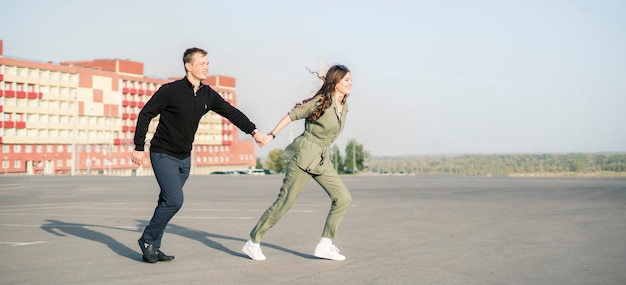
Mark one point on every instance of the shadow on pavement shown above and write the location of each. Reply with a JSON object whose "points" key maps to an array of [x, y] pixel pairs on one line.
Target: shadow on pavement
{"points": [[60, 228], [208, 239]]}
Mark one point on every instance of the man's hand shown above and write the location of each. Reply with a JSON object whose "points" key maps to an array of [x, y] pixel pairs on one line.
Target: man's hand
{"points": [[260, 139], [137, 157]]}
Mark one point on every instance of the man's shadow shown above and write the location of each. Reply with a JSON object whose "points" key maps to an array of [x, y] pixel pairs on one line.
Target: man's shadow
{"points": [[209, 240], [60, 228]]}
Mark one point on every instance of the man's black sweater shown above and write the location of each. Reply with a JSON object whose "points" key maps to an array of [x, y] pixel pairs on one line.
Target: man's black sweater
{"points": [[181, 111]]}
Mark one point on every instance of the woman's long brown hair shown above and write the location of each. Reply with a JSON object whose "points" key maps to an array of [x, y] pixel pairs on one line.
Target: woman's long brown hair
{"points": [[333, 76]]}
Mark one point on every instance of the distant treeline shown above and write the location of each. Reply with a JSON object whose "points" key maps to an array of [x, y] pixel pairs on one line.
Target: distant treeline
{"points": [[575, 164]]}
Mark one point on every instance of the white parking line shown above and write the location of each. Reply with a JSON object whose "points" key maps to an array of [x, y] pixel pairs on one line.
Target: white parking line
{"points": [[66, 226], [11, 243], [120, 216], [8, 208], [10, 186]]}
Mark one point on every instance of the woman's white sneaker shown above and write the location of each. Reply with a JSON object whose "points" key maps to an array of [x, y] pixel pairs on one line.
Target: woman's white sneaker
{"points": [[253, 250], [328, 251]]}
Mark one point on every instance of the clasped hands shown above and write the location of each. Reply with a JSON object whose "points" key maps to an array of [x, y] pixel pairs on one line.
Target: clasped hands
{"points": [[262, 138]]}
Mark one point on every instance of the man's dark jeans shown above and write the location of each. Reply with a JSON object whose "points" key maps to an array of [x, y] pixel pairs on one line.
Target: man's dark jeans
{"points": [[171, 174]]}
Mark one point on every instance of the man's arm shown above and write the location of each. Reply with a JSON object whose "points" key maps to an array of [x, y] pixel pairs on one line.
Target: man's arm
{"points": [[152, 108], [228, 111]]}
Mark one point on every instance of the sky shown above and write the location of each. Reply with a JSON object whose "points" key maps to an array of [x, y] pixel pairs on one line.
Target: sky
{"points": [[429, 77]]}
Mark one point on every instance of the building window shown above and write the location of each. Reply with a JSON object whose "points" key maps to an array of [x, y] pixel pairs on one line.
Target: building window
{"points": [[28, 148], [39, 148], [17, 148], [17, 164]]}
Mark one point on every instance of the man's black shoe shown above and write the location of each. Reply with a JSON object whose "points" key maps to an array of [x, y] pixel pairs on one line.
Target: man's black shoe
{"points": [[149, 252], [161, 256]]}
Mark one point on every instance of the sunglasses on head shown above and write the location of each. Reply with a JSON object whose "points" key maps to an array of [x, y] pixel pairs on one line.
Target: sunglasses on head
{"points": [[341, 66]]}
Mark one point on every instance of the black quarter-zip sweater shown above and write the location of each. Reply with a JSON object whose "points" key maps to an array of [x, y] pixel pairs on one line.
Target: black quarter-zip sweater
{"points": [[181, 111]]}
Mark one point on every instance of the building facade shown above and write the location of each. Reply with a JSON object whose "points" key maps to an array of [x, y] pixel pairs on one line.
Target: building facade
{"points": [[79, 118]]}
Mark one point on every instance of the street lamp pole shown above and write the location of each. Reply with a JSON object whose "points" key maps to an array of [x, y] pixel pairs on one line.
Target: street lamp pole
{"points": [[88, 161], [110, 136], [73, 170], [354, 157]]}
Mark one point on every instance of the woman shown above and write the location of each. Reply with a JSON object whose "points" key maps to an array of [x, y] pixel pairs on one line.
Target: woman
{"points": [[308, 157]]}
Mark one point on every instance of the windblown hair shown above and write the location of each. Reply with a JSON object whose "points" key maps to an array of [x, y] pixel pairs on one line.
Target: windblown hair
{"points": [[333, 76], [188, 55]]}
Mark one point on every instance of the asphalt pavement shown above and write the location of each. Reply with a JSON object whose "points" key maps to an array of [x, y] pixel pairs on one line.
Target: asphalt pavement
{"points": [[399, 230]]}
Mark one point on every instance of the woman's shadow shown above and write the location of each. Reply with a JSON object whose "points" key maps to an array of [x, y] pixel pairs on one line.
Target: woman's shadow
{"points": [[208, 239]]}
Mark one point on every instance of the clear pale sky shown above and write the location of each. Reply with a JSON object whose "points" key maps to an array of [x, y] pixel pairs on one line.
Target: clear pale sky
{"points": [[429, 77]]}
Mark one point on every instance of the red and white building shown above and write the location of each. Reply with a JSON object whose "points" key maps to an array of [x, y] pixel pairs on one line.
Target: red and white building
{"points": [[79, 118]]}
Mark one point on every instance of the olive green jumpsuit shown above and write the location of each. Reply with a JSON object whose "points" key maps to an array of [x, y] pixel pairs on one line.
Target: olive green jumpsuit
{"points": [[307, 157]]}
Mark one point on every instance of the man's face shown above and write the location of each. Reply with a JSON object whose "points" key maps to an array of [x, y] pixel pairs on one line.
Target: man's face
{"points": [[199, 66]]}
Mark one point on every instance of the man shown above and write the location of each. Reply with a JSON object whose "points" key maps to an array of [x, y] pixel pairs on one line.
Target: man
{"points": [[180, 104]]}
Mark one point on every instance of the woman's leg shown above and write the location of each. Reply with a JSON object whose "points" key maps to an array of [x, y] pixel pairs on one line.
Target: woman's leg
{"points": [[294, 181], [340, 200]]}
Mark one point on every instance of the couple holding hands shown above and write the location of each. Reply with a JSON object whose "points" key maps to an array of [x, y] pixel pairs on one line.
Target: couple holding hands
{"points": [[307, 157]]}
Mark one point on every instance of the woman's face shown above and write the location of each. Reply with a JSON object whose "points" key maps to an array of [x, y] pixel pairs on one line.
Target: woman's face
{"points": [[344, 85]]}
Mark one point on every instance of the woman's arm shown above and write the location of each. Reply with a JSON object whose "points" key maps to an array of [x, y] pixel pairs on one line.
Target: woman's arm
{"points": [[285, 121]]}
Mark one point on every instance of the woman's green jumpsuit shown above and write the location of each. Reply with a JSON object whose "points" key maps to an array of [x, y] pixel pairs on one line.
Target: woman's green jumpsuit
{"points": [[308, 157]]}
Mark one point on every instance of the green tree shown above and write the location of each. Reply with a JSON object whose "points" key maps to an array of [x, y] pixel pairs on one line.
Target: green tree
{"points": [[354, 157], [502, 165], [258, 163], [275, 161], [336, 158]]}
